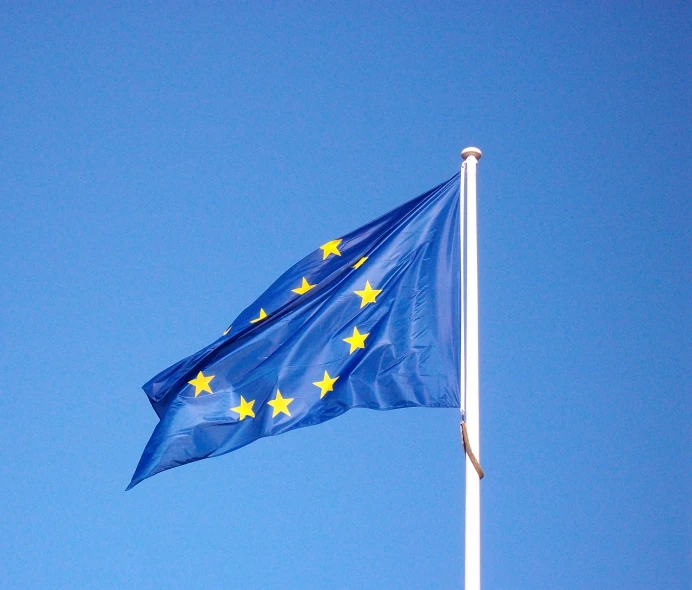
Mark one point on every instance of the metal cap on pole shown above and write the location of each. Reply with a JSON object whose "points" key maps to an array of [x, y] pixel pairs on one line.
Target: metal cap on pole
{"points": [[471, 151]]}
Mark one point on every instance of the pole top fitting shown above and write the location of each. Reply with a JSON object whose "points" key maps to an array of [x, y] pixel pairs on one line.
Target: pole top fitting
{"points": [[471, 151]]}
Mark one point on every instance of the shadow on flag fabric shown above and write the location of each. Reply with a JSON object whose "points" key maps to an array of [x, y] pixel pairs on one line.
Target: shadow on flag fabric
{"points": [[367, 320]]}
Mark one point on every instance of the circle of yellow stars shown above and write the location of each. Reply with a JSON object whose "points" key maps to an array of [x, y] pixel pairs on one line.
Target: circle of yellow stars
{"points": [[280, 404]]}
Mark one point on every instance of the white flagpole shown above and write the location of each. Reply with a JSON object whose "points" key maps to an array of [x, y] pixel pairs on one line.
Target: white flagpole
{"points": [[472, 557], [462, 292]]}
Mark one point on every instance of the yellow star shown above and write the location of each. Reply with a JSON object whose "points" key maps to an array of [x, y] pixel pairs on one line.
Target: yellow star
{"points": [[360, 262], [304, 288], [201, 383], [280, 404], [227, 330], [357, 340], [368, 294], [262, 315], [327, 384], [330, 248], [244, 409]]}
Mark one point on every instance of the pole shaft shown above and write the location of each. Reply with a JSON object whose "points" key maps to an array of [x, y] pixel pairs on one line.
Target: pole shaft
{"points": [[472, 557], [462, 292]]}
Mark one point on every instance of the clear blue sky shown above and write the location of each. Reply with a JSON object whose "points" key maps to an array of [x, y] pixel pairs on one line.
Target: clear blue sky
{"points": [[160, 166]]}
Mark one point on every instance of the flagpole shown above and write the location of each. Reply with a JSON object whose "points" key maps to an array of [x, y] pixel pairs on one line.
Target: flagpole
{"points": [[472, 545]]}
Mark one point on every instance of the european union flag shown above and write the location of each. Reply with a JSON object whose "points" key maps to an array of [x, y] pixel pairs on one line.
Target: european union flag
{"points": [[367, 320]]}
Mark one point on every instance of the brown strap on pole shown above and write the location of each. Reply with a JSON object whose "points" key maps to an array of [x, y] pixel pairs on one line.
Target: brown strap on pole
{"points": [[469, 452]]}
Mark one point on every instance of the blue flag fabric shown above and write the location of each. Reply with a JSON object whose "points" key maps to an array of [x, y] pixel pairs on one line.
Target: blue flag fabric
{"points": [[368, 320]]}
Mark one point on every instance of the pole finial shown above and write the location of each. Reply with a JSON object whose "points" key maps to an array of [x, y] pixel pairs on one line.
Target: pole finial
{"points": [[471, 151]]}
